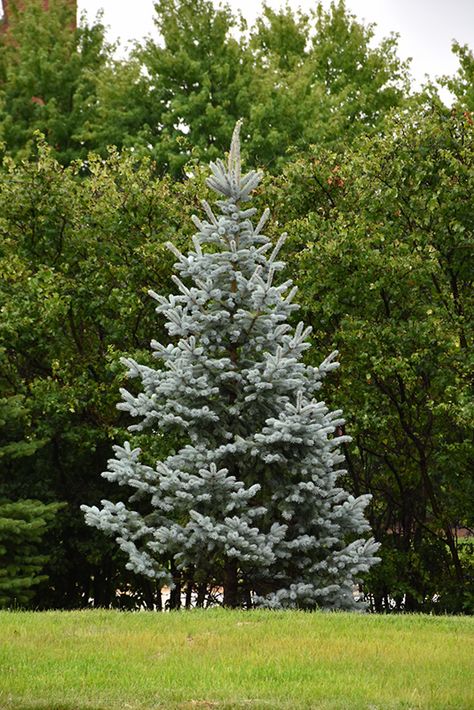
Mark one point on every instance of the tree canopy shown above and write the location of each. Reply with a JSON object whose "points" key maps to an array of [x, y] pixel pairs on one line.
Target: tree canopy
{"points": [[47, 78], [294, 78], [372, 182], [77, 254], [383, 255]]}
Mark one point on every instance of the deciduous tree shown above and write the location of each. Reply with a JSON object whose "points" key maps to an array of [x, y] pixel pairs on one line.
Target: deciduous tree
{"points": [[47, 78], [382, 250], [78, 246]]}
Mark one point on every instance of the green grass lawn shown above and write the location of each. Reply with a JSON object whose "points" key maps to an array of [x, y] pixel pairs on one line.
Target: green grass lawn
{"points": [[106, 660]]}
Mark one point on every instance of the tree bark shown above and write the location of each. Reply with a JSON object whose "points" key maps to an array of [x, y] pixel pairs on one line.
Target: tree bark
{"points": [[230, 584], [189, 590], [201, 594], [175, 593]]}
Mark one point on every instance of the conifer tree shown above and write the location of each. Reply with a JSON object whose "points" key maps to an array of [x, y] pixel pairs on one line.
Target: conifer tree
{"points": [[23, 522], [250, 501]]}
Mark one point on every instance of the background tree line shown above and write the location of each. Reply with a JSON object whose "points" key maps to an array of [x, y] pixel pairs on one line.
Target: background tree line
{"points": [[374, 185]]}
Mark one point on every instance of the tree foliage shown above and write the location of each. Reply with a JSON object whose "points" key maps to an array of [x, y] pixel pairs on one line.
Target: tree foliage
{"points": [[319, 81], [47, 77], [77, 253], [293, 78], [249, 501], [461, 84], [383, 255], [380, 221], [23, 522]]}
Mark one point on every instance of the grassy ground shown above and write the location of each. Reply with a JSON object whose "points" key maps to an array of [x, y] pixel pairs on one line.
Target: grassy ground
{"points": [[106, 660]]}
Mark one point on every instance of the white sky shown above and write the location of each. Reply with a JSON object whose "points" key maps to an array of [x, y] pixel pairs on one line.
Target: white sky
{"points": [[426, 27]]}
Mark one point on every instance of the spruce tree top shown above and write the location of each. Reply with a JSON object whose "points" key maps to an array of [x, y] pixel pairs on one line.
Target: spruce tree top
{"points": [[231, 325]]}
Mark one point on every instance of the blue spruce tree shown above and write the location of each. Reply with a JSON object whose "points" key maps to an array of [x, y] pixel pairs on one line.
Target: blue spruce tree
{"points": [[250, 502]]}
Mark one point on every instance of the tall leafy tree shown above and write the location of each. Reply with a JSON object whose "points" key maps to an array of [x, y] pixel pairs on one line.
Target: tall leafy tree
{"points": [[295, 79], [319, 81], [178, 96], [199, 80], [77, 247], [249, 500], [382, 251], [47, 70]]}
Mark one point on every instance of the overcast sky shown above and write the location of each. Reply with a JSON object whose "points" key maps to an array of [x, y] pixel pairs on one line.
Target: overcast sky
{"points": [[426, 27]]}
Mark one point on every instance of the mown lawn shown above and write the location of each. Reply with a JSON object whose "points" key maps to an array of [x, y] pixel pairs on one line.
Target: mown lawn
{"points": [[105, 660]]}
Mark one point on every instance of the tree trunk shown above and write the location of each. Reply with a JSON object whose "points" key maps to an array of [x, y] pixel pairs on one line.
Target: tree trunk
{"points": [[248, 599], [189, 590], [230, 584], [148, 595], [175, 593], [201, 594], [159, 600]]}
